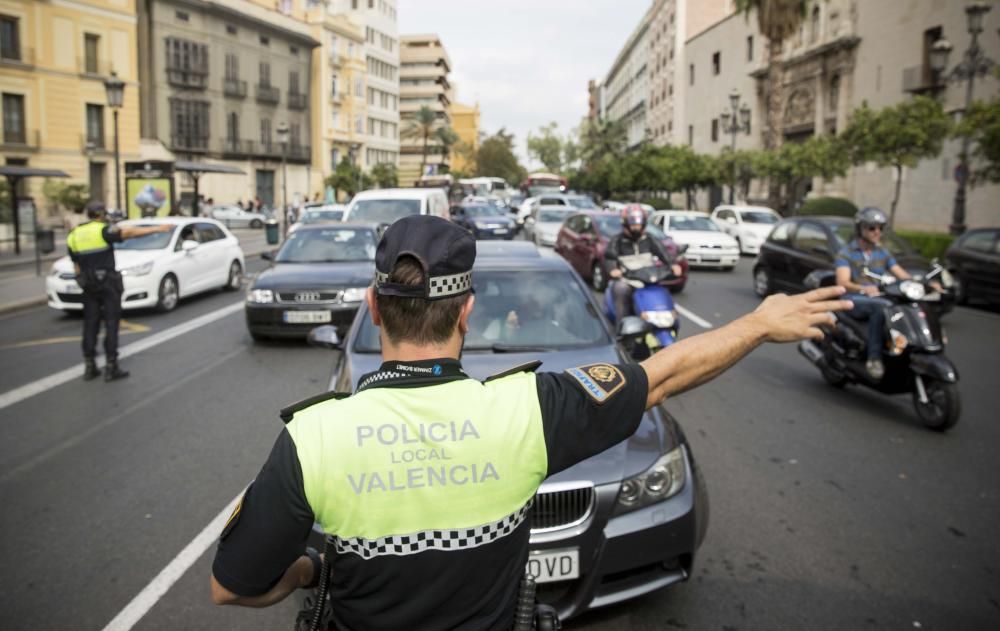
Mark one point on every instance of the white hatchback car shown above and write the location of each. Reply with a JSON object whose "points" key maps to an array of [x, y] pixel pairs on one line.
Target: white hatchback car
{"points": [[749, 225], [235, 217], [708, 246], [161, 268]]}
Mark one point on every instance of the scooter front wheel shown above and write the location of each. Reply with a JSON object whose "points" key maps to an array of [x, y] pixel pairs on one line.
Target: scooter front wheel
{"points": [[943, 406]]}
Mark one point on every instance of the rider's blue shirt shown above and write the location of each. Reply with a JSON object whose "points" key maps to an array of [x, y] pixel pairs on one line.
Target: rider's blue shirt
{"points": [[878, 261]]}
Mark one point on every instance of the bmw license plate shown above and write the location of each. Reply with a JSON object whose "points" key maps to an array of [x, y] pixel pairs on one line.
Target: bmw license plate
{"points": [[307, 317], [555, 565]]}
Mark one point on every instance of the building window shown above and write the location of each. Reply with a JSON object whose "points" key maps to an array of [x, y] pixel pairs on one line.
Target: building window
{"points": [[293, 50], [749, 47], [230, 29], [182, 16], [95, 179], [334, 159], [265, 74], [333, 86], [371, 4], [691, 135], [931, 35], [295, 135], [95, 126], [189, 124], [359, 124], [359, 87], [691, 74], [265, 133], [187, 63], [13, 119], [90, 42], [293, 82], [814, 25], [232, 67], [10, 40], [716, 62], [670, 125], [265, 41], [715, 130]]}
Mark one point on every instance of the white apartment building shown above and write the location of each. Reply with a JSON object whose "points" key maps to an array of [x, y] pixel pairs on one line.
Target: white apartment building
{"points": [[624, 89]]}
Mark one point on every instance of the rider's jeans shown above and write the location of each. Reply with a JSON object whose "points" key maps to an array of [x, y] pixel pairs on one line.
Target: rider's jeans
{"points": [[870, 309], [621, 291]]}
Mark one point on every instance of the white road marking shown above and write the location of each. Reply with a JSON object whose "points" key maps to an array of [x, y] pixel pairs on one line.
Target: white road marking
{"points": [[144, 600], [47, 383], [705, 324]]}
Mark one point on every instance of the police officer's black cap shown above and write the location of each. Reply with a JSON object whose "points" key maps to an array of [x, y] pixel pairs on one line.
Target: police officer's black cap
{"points": [[445, 251], [95, 208]]}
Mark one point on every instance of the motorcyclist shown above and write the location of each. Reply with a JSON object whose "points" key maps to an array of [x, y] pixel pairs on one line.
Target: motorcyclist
{"points": [[632, 241], [865, 253]]}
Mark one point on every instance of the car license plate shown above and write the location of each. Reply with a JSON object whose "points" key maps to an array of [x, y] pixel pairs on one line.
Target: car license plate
{"points": [[557, 565], [500, 231], [307, 317], [710, 259], [72, 288]]}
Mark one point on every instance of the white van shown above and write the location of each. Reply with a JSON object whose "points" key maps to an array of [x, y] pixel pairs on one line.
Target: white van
{"points": [[386, 205]]}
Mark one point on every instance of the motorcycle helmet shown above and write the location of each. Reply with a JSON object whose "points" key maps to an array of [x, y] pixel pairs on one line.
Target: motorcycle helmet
{"points": [[633, 219], [869, 216]]}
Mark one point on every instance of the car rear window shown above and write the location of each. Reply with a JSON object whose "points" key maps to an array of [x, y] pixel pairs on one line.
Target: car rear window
{"points": [[692, 222], [540, 310], [328, 245], [758, 216], [384, 210]]}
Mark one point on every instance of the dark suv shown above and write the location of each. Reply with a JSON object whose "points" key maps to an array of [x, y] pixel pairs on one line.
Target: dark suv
{"points": [[974, 260], [800, 245]]}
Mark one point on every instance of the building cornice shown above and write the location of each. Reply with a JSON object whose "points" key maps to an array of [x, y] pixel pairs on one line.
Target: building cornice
{"points": [[294, 30], [845, 42]]}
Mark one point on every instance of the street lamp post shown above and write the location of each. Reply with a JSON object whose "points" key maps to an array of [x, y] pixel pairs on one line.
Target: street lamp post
{"points": [[974, 63], [734, 121], [115, 89], [282, 132]]}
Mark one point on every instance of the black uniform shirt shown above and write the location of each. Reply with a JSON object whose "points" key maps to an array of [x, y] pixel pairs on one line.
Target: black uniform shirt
{"points": [[623, 245], [473, 588]]}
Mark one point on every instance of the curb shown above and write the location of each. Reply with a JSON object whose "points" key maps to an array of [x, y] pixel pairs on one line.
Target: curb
{"points": [[28, 303]]}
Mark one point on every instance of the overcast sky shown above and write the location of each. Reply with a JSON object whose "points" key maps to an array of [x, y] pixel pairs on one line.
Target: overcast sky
{"points": [[526, 62]]}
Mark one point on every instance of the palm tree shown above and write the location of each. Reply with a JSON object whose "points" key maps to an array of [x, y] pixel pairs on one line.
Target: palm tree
{"points": [[447, 138], [422, 126], [777, 20]]}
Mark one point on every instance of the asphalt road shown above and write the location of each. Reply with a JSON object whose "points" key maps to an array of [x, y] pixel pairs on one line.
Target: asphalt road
{"points": [[830, 509]]}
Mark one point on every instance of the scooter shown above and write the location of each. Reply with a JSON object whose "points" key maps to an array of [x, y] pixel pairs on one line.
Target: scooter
{"points": [[913, 357], [651, 302]]}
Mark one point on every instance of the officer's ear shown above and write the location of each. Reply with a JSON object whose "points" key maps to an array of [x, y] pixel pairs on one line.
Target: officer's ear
{"points": [[463, 315], [373, 306]]}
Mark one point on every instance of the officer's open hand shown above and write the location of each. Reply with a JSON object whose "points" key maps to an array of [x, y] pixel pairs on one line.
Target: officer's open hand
{"points": [[793, 318]]}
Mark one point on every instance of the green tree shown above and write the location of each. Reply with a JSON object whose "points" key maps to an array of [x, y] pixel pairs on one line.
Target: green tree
{"points": [[421, 126], [385, 175], [601, 138], [547, 147], [447, 138], [982, 125], [496, 158], [897, 136], [348, 178], [467, 152]]}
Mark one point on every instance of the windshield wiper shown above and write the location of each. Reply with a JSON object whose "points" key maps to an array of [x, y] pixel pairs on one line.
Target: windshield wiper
{"points": [[511, 348]]}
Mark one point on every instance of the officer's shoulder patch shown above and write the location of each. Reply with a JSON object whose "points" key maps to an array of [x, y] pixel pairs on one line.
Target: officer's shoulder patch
{"points": [[531, 366], [599, 381], [288, 412], [233, 518]]}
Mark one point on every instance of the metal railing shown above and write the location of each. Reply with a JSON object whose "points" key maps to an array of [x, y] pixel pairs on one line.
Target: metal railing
{"points": [[297, 101], [189, 143], [187, 78], [21, 56], [235, 88], [89, 144], [21, 139], [268, 94]]}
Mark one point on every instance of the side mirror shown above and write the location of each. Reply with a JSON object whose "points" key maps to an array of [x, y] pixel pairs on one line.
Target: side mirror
{"points": [[325, 337], [188, 244], [820, 278], [630, 326]]}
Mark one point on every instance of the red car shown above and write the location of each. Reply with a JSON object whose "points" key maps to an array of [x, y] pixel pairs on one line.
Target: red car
{"points": [[582, 240]]}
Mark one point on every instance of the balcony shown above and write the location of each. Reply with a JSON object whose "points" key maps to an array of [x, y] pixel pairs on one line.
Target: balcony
{"points": [[235, 148], [298, 153], [234, 88], [197, 144], [187, 78], [21, 140], [268, 95], [91, 146], [23, 57], [297, 101], [93, 68], [920, 79]]}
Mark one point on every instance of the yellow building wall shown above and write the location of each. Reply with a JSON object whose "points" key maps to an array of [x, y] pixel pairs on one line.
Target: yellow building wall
{"points": [[56, 88], [465, 122]]}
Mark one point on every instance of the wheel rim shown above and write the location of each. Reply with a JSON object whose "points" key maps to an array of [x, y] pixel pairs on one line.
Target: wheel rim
{"points": [[761, 282], [168, 295], [234, 275], [598, 276]]}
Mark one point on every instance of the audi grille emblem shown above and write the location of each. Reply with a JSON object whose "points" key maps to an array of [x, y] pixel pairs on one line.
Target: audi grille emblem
{"points": [[307, 296]]}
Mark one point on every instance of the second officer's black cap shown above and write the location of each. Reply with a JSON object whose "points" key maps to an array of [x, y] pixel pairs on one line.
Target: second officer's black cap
{"points": [[445, 251]]}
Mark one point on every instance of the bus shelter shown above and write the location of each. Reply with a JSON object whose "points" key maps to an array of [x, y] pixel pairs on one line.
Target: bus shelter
{"points": [[14, 175]]}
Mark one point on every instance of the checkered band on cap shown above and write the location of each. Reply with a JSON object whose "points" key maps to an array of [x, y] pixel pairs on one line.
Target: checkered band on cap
{"points": [[455, 539], [439, 286]]}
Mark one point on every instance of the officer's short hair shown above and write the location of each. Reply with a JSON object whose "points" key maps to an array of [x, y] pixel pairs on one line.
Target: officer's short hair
{"points": [[417, 320], [95, 209]]}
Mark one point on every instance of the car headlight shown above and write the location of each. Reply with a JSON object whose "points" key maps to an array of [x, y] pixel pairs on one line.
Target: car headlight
{"points": [[54, 271], [354, 294], [912, 289], [138, 270], [661, 481], [659, 319], [260, 296]]}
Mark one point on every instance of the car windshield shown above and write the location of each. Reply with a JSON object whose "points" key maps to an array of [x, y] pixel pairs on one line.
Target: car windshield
{"points": [[384, 210], [890, 241], [533, 310], [480, 211], [328, 245], [758, 216], [155, 241], [583, 202], [552, 216], [609, 225], [319, 216], [692, 222]]}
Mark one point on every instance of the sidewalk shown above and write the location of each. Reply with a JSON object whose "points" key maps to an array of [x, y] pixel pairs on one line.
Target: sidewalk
{"points": [[21, 289]]}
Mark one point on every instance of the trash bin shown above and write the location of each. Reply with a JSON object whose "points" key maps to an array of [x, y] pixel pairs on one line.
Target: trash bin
{"points": [[271, 231], [45, 241]]}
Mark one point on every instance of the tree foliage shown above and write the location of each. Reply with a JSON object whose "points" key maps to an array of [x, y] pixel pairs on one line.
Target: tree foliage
{"points": [[982, 125], [421, 127], [547, 147], [349, 178], [446, 137], [496, 158], [72, 197], [385, 175]]}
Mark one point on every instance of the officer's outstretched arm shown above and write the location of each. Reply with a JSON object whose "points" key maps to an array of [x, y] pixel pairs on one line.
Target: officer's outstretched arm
{"points": [[298, 575], [780, 318]]}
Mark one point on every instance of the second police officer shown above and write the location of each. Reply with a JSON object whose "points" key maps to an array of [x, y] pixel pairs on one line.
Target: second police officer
{"points": [[442, 543]]}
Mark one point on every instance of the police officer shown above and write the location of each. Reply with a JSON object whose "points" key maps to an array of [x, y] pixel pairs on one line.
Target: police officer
{"points": [[632, 242], [90, 247], [425, 476]]}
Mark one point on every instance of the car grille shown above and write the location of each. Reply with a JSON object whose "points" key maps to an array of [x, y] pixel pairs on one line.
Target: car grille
{"points": [[561, 509], [70, 297], [310, 296], [67, 276]]}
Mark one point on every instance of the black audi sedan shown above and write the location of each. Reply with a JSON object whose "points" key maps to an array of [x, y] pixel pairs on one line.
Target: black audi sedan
{"points": [[798, 246], [974, 261], [618, 525], [484, 220], [318, 276]]}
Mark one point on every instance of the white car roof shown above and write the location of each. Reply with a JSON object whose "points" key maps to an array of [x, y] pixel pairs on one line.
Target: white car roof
{"points": [[177, 221], [696, 213], [398, 193], [742, 208]]}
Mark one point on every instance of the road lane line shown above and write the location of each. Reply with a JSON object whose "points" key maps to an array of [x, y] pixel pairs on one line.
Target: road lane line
{"points": [[47, 383], [126, 328], [93, 429], [144, 601], [705, 324]]}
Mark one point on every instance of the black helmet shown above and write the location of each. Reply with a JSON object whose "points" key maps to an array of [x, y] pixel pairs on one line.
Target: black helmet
{"points": [[869, 216], [633, 215]]}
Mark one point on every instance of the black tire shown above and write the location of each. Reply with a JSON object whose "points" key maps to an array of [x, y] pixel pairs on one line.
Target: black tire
{"points": [[258, 337], [676, 289], [598, 278], [943, 407], [256, 224], [235, 279], [728, 268], [762, 282], [833, 377], [739, 245], [960, 289], [168, 295]]}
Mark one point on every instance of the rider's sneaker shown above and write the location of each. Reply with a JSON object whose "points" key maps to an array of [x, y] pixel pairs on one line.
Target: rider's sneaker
{"points": [[875, 369]]}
